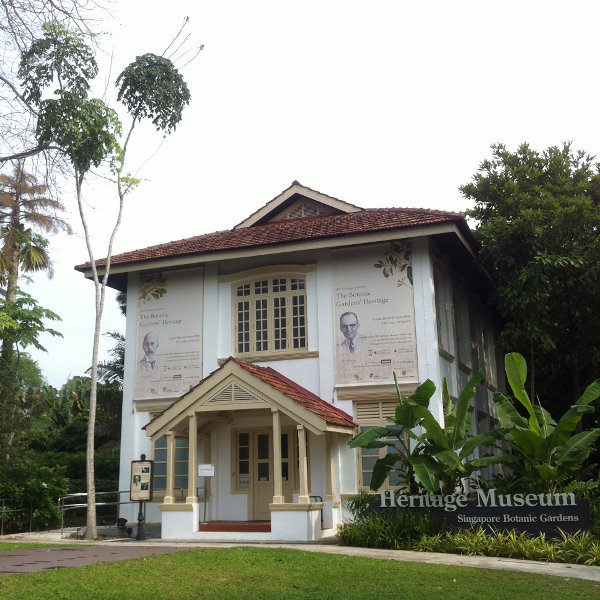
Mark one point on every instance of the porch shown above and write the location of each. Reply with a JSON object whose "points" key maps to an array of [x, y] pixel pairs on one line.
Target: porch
{"points": [[271, 445]]}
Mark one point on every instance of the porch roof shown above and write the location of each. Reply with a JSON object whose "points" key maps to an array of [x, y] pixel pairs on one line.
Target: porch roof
{"points": [[265, 388]]}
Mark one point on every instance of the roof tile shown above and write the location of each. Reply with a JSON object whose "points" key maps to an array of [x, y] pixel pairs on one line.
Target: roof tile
{"points": [[290, 231]]}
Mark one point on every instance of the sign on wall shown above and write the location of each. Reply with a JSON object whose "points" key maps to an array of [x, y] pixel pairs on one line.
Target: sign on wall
{"points": [[141, 481], [374, 315], [169, 334]]}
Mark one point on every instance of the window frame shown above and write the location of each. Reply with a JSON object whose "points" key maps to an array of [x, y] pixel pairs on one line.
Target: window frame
{"points": [[269, 330]]}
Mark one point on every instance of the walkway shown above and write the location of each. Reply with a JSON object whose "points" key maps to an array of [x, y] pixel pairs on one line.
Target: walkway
{"points": [[31, 560]]}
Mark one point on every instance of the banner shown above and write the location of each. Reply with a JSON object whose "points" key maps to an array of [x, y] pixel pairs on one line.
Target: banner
{"points": [[374, 315], [169, 334]]}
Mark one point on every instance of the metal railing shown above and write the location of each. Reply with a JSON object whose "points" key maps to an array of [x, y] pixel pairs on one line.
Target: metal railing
{"points": [[65, 504], [5, 512]]}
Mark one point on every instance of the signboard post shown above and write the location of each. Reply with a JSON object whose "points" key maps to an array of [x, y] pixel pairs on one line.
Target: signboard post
{"points": [[141, 489], [206, 471]]}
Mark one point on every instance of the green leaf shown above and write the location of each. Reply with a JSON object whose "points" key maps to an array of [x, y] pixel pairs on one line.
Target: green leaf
{"points": [[483, 440], [545, 420], [427, 470], [461, 409], [516, 373], [577, 448], [525, 441], [382, 468], [509, 416], [591, 392], [368, 437]]}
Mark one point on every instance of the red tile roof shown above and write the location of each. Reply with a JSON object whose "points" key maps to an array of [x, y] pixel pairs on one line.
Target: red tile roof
{"points": [[324, 410], [311, 402], [293, 230]]}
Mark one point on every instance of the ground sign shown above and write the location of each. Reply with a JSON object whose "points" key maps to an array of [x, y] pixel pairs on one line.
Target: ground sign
{"points": [[533, 513]]}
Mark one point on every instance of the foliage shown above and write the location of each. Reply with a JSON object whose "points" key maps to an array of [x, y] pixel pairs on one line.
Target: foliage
{"points": [[575, 548], [112, 371], [538, 217], [26, 210], [86, 130], [59, 57], [29, 488], [397, 530], [545, 453], [30, 319], [152, 88], [437, 455]]}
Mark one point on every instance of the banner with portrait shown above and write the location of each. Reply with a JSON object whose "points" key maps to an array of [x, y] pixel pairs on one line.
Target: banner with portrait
{"points": [[169, 333], [374, 315]]}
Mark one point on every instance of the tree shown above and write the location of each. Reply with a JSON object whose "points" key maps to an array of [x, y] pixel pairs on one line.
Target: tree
{"points": [[21, 23], [29, 319], [25, 211], [87, 132], [538, 221], [544, 453]]}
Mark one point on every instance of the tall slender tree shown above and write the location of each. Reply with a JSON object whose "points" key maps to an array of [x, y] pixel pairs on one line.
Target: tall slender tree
{"points": [[87, 131]]}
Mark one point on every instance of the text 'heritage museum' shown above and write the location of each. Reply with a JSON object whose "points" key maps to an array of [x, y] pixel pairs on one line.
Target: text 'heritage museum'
{"points": [[253, 355]]}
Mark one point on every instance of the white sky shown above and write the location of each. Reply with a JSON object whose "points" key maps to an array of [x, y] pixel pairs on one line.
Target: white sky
{"points": [[382, 103]]}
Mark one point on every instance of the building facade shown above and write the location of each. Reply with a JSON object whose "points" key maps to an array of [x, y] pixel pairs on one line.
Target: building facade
{"points": [[253, 355]]}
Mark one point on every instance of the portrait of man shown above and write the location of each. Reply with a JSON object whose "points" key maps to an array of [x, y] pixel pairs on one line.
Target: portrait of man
{"points": [[150, 361], [353, 342]]}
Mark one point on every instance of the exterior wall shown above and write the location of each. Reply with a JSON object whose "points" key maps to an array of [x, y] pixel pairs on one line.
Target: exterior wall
{"points": [[316, 374]]}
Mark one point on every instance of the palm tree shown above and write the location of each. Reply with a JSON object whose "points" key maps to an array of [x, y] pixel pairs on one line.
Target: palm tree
{"points": [[25, 213]]}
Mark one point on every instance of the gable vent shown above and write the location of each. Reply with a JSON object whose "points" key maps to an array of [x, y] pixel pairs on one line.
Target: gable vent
{"points": [[234, 393], [304, 208]]}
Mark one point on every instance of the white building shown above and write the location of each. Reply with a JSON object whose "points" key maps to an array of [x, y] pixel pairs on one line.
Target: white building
{"points": [[261, 350]]}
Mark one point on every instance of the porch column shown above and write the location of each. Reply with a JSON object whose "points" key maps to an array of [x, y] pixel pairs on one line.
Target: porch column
{"points": [[170, 491], [192, 495], [329, 497], [303, 466], [277, 483]]}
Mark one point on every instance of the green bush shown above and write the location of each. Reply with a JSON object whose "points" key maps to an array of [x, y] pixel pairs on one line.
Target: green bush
{"points": [[403, 533], [398, 530], [29, 492]]}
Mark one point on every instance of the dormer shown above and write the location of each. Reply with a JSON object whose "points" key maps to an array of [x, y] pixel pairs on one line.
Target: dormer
{"points": [[296, 202]]}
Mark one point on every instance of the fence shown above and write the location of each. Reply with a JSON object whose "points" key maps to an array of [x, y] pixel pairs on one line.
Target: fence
{"points": [[65, 503], [6, 512]]}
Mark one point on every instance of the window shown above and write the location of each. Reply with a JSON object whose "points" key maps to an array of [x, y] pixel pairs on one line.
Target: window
{"points": [[374, 414], [444, 311], [463, 330], [270, 316], [160, 464]]}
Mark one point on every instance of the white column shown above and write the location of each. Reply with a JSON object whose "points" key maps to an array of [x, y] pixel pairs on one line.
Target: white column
{"points": [[329, 497], [192, 495], [303, 466], [170, 491], [277, 482]]}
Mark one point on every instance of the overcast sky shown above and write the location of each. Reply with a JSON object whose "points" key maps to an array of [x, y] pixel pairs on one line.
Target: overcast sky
{"points": [[382, 103]]}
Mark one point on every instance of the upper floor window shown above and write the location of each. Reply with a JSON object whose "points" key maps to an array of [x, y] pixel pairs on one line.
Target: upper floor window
{"points": [[270, 315]]}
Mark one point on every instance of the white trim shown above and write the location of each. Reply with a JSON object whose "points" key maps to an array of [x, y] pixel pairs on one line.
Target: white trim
{"points": [[296, 189]]}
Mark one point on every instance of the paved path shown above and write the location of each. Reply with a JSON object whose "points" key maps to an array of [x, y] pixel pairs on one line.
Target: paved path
{"points": [[31, 560]]}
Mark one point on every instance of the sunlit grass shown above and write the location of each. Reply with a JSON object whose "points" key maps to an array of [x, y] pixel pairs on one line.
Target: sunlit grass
{"points": [[250, 572]]}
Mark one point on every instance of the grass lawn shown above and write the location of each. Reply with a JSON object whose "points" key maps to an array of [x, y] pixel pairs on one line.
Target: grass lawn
{"points": [[286, 574], [19, 545]]}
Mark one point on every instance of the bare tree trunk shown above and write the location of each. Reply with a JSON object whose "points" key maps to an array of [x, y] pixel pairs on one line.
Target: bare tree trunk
{"points": [[100, 294]]}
